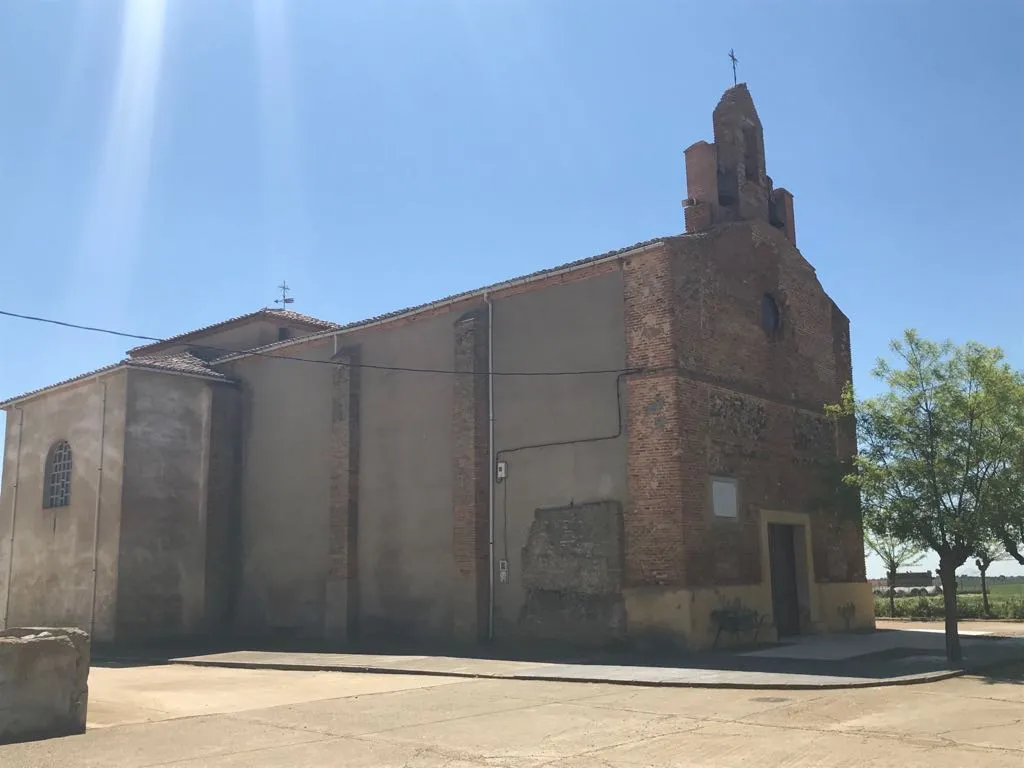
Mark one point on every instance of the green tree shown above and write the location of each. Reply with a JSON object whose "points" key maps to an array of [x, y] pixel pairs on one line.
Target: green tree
{"points": [[893, 552], [1008, 527], [933, 449], [988, 553]]}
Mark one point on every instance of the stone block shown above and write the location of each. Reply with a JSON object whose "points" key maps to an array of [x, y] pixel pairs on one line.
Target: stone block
{"points": [[44, 683], [573, 566], [577, 549]]}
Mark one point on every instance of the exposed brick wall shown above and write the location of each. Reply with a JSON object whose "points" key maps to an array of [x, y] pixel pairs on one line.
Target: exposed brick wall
{"points": [[653, 522], [742, 181], [701, 186], [341, 603], [850, 535], [781, 213], [726, 180], [721, 278], [752, 402], [470, 478]]}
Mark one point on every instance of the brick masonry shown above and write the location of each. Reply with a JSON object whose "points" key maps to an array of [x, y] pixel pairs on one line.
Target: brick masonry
{"points": [[653, 524], [752, 402], [743, 185], [717, 394], [470, 478], [341, 603]]}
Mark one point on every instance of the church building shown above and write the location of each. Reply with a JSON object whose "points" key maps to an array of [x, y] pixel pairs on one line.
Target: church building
{"points": [[626, 449]]}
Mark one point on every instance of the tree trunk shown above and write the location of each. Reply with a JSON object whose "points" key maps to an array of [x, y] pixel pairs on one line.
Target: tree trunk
{"points": [[947, 573], [1012, 551], [984, 594], [892, 594]]}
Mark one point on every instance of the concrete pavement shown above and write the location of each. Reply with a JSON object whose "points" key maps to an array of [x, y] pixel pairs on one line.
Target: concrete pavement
{"points": [[900, 653], [218, 718], [967, 626]]}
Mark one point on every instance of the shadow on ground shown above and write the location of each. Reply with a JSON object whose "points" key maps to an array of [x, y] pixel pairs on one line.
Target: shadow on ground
{"points": [[1011, 673], [880, 657]]}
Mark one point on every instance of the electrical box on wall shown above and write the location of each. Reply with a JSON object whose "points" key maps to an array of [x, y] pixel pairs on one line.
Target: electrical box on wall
{"points": [[501, 471]]}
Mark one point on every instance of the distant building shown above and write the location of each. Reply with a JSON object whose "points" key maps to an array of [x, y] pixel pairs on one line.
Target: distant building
{"points": [[215, 484], [912, 579], [908, 580]]}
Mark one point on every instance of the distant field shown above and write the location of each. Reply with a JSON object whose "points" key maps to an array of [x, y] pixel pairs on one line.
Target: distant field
{"points": [[1004, 590], [1005, 596], [971, 585], [1007, 603]]}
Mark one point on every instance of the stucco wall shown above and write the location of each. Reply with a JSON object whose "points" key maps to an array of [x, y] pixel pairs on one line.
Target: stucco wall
{"points": [[405, 471], [575, 326], [286, 419], [162, 569], [52, 565], [223, 509], [404, 541], [255, 333]]}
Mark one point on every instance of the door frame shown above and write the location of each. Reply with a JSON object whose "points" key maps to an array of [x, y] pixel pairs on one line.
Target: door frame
{"points": [[783, 552], [807, 587]]}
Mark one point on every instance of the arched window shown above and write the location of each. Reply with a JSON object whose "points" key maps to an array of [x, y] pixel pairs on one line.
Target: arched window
{"points": [[771, 315], [57, 486]]}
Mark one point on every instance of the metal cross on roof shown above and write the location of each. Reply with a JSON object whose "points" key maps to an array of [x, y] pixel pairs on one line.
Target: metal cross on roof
{"points": [[733, 59], [285, 299]]}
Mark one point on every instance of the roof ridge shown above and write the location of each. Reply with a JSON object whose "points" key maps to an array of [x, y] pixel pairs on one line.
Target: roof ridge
{"points": [[288, 313], [174, 363], [326, 325], [450, 298]]}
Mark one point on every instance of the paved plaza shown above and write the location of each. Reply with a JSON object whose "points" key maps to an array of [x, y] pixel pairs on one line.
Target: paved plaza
{"points": [[898, 653], [216, 717], [192, 717]]}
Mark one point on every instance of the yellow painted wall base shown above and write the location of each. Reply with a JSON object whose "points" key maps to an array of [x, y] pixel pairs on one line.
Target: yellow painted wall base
{"points": [[681, 618], [847, 606], [677, 617]]}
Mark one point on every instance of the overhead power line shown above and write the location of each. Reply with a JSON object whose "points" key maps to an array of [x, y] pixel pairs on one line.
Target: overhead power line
{"points": [[78, 327], [335, 363]]}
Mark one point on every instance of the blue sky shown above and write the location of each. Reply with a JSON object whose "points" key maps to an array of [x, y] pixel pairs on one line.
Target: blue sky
{"points": [[165, 163]]}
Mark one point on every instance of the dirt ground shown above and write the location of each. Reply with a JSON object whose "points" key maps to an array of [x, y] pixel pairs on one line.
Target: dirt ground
{"points": [[189, 717], [1002, 628]]}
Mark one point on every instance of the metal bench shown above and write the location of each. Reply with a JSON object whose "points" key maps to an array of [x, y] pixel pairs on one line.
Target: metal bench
{"points": [[737, 620]]}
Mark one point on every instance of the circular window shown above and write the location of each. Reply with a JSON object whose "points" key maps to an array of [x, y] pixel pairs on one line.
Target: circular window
{"points": [[771, 317]]}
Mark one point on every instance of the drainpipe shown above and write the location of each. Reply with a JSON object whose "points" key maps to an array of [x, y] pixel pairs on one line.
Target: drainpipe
{"points": [[490, 467], [96, 514], [14, 517]]}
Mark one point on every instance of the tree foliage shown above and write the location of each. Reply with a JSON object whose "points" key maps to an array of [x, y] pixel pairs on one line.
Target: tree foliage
{"points": [[936, 450], [1008, 526], [893, 551], [989, 552]]}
